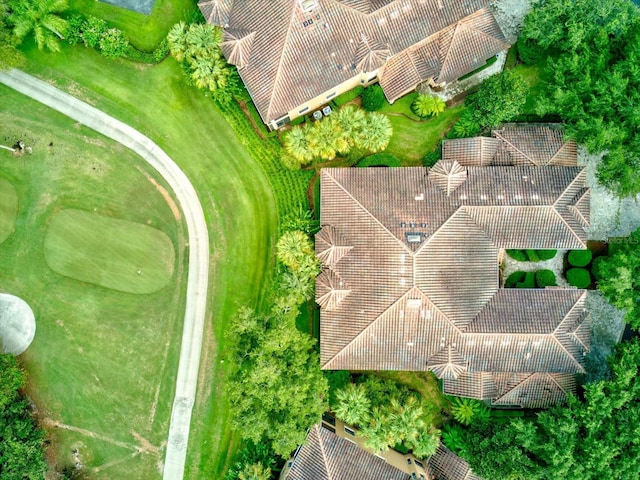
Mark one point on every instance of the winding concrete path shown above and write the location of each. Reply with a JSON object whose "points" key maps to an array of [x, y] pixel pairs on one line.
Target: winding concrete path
{"points": [[197, 281]]}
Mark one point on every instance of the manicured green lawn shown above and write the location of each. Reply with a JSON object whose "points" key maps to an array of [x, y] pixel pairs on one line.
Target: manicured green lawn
{"points": [[402, 106], [102, 362], [113, 253], [412, 140], [144, 31], [234, 191], [8, 207]]}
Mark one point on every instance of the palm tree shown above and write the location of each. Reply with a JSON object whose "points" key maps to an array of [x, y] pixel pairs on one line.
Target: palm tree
{"points": [[254, 471], [352, 121], [296, 143], [324, 138], [427, 106], [466, 410], [353, 404], [466, 126], [376, 134], [405, 421], [177, 40], [292, 247], [203, 41], [40, 17], [376, 433], [209, 72], [426, 444]]}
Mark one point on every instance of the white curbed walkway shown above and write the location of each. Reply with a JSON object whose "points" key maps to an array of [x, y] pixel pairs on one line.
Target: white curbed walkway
{"points": [[197, 281]]}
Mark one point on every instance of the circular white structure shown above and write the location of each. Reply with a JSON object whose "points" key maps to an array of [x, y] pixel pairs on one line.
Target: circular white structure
{"points": [[17, 324]]}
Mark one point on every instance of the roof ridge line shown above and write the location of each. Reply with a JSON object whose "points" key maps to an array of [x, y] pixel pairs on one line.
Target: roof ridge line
{"points": [[369, 213], [557, 340], [550, 377], [383, 313], [280, 61], [562, 147], [573, 232], [324, 455], [580, 176], [520, 383], [446, 57], [496, 132], [573, 307]]}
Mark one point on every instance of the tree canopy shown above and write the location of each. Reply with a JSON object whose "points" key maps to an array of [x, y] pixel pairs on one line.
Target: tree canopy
{"points": [[41, 18], [588, 439], [593, 49], [619, 277], [21, 441]]}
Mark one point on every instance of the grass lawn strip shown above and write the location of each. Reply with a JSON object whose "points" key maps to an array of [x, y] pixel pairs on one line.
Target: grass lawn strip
{"points": [[235, 193], [8, 208], [102, 362], [112, 253]]}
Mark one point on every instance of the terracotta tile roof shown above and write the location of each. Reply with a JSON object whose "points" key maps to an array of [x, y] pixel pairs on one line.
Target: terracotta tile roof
{"points": [[446, 465], [411, 270], [303, 48], [514, 144], [327, 456], [448, 54], [524, 390]]}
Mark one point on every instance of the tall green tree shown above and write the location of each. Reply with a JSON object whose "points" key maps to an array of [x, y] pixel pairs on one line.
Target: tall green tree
{"points": [[593, 78], [277, 389], [427, 105], [40, 17], [500, 98]]}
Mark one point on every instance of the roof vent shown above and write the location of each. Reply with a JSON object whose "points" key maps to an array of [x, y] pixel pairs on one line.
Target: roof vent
{"points": [[307, 5]]}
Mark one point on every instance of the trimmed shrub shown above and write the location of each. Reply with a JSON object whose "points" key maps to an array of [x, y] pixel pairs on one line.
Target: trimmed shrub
{"points": [[579, 258], [518, 255], [546, 254], [380, 160], [346, 97], [93, 29], [532, 255], [373, 98], [297, 121], [528, 282], [433, 157], [545, 278], [578, 277], [113, 43], [74, 30], [513, 279]]}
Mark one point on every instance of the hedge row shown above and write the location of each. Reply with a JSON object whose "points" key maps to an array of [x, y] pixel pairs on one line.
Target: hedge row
{"points": [[111, 42], [538, 279], [380, 160], [531, 255], [347, 97]]}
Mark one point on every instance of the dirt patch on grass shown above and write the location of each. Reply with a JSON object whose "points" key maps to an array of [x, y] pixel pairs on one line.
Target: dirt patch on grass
{"points": [[166, 195]]}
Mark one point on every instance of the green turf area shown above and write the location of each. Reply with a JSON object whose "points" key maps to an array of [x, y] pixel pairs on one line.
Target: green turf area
{"points": [[102, 362], [234, 191], [144, 31], [109, 252], [412, 140], [8, 207]]}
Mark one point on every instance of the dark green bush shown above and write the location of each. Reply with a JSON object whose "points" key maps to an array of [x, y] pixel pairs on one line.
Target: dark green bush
{"points": [[513, 279], [528, 282], [546, 254], [545, 278], [74, 30], [346, 97], [297, 121], [518, 255], [528, 52], [433, 157], [595, 267], [380, 160], [579, 258], [532, 255], [373, 98], [578, 277]]}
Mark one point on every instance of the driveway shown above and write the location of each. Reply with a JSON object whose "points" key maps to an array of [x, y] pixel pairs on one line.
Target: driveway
{"points": [[197, 282]]}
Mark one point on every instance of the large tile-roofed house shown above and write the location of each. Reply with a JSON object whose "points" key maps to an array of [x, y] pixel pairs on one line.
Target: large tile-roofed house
{"points": [[333, 451], [410, 276], [296, 55]]}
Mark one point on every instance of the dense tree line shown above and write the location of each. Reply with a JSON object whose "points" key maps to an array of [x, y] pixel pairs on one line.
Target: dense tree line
{"points": [[277, 389], [21, 441], [588, 439], [593, 51]]}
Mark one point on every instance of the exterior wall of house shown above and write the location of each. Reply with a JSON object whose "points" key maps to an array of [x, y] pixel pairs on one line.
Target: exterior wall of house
{"points": [[362, 79], [404, 462]]}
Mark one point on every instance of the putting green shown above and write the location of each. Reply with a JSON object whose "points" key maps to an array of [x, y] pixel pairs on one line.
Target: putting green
{"points": [[8, 208], [117, 254]]}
